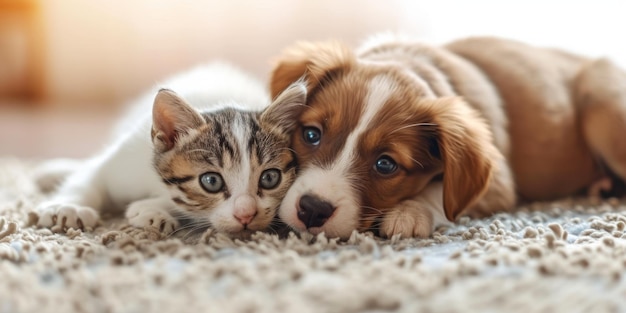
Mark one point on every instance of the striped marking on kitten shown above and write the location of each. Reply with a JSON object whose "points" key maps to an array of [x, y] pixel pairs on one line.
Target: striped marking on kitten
{"points": [[229, 168], [219, 160]]}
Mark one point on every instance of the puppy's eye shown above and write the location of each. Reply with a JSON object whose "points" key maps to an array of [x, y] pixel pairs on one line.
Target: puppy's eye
{"points": [[385, 165], [212, 182], [269, 179], [312, 135]]}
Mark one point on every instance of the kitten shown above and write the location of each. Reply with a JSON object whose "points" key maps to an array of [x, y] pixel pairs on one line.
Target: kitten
{"points": [[214, 154]]}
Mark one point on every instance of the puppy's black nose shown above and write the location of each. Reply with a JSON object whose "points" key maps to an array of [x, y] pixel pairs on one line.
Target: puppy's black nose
{"points": [[313, 211]]}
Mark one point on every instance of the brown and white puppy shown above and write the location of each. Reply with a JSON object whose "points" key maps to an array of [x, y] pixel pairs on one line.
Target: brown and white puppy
{"points": [[401, 136]]}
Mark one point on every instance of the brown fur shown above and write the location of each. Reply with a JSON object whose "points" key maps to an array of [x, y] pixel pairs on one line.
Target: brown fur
{"points": [[507, 120]]}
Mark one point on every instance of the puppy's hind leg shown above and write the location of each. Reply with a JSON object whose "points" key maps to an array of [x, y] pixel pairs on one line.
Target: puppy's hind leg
{"points": [[600, 91]]}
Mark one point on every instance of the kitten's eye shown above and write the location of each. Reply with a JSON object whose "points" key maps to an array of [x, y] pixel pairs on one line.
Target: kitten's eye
{"points": [[385, 165], [212, 182], [312, 135], [269, 179]]}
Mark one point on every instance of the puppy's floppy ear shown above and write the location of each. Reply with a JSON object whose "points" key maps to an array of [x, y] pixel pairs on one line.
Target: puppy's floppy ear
{"points": [[171, 116], [467, 151], [284, 111], [313, 60]]}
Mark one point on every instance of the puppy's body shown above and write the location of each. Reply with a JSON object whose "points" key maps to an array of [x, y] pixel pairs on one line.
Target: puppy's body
{"points": [[542, 92], [468, 126], [535, 88]]}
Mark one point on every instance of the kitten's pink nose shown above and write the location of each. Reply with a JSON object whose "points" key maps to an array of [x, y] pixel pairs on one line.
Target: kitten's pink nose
{"points": [[245, 209]]}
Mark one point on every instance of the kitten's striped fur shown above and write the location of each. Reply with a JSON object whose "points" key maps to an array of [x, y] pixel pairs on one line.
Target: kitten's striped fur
{"points": [[239, 147], [217, 129]]}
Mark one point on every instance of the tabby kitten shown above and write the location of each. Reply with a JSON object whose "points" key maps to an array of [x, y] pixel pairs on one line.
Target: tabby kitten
{"points": [[214, 154]]}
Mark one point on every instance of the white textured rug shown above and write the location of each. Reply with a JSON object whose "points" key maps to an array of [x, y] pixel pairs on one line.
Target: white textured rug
{"points": [[567, 256]]}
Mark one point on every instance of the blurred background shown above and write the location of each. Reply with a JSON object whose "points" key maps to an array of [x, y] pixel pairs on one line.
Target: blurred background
{"points": [[68, 67]]}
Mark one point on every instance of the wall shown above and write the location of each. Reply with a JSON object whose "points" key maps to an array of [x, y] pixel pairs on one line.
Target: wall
{"points": [[107, 51], [103, 52], [82, 59]]}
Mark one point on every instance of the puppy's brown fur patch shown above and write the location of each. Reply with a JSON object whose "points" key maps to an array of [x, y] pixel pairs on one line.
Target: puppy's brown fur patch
{"points": [[491, 125]]}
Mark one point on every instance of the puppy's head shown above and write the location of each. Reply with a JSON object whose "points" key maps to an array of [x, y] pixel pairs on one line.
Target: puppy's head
{"points": [[372, 135]]}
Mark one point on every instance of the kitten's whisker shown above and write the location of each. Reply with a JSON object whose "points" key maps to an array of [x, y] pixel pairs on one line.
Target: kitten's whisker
{"points": [[201, 150], [288, 149], [193, 225], [194, 230], [190, 232], [270, 227]]}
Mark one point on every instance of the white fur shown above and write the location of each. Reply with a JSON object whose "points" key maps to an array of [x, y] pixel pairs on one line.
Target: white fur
{"points": [[333, 184], [122, 175], [239, 184], [330, 185]]}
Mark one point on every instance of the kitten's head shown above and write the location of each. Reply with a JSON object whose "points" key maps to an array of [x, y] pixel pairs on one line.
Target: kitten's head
{"points": [[229, 168]]}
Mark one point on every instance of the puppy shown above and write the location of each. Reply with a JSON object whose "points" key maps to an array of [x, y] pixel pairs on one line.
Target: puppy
{"points": [[400, 137]]}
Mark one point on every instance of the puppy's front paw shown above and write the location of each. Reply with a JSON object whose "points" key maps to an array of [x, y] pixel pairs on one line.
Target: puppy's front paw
{"points": [[141, 215], [66, 215], [408, 220]]}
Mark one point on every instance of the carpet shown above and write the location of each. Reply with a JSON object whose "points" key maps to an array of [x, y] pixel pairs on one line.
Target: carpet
{"points": [[563, 256]]}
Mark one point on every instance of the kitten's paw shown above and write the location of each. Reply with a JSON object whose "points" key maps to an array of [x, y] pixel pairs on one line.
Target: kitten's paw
{"points": [[143, 216], [66, 215], [408, 220]]}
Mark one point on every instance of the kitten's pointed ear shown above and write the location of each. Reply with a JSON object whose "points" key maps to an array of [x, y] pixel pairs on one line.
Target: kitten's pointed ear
{"points": [[285, 109], [171, 116]]}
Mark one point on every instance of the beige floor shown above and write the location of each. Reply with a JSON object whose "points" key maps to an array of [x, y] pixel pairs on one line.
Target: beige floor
{"points": [[566, 256]]}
